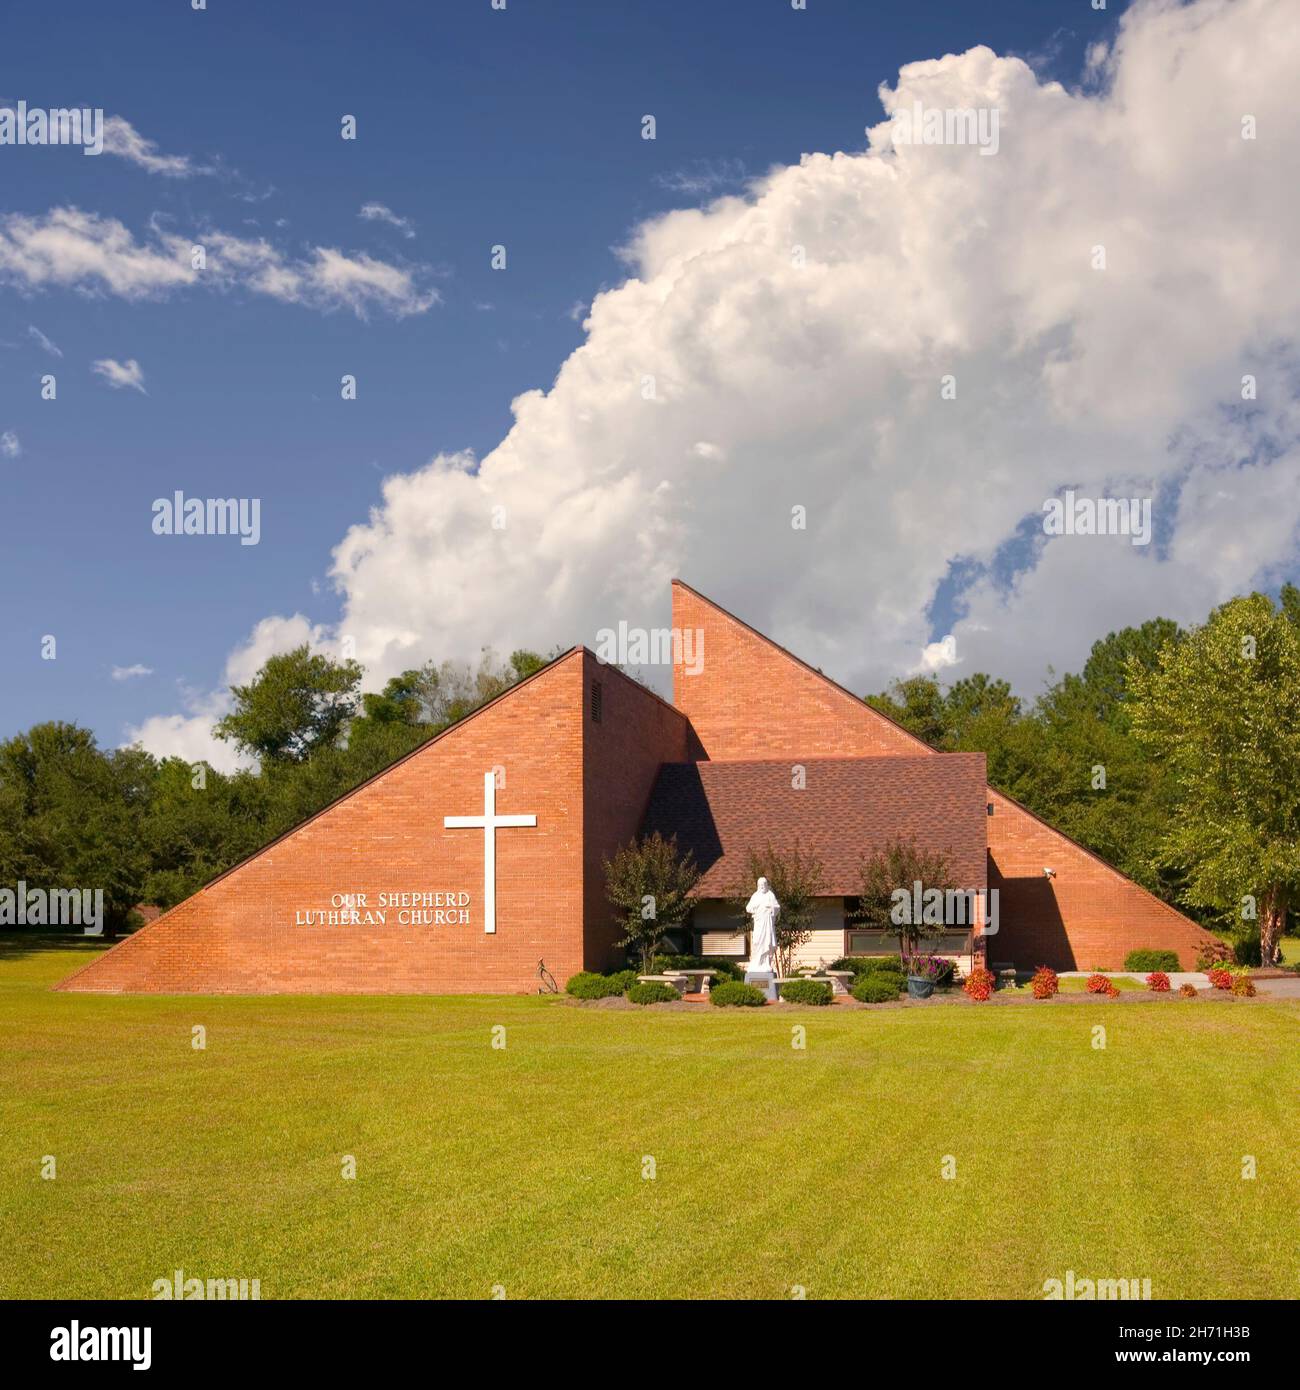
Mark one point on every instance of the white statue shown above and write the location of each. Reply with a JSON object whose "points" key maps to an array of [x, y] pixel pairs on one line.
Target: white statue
{"points": [[765, 911]]}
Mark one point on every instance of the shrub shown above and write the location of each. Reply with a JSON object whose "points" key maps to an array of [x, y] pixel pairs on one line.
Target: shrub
{"points": [[1098, 984], [1143, 962], [622, 980], [1220, 978], [877, 987], [1244, 987], [588, 985], [1159, 981], [734, 992], [979, 984], [652, 992], [868, 965], [723, 968], [1187, 991], [1246, 950], [806, 992], [1212, 953], [1045, 983]]}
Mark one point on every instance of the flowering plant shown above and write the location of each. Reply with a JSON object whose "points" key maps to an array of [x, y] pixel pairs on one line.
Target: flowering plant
{"points": [[928, 966], [1158, 981], [979, 984], [1044, 983], [1098, 984]]}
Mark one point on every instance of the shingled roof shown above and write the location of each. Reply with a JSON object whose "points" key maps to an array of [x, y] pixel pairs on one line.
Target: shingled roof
{"points": [[847, 809]]}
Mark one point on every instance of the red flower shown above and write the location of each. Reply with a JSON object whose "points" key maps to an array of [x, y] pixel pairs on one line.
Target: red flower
{"points": [[1158, 981]]}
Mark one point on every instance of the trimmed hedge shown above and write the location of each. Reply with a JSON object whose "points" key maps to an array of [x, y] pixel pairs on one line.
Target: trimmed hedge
{"points": [[722, 967], [868, 965], [1145, 961], [653, 992], [588, 985], [806, 992], [734, 992], [877, 987]]}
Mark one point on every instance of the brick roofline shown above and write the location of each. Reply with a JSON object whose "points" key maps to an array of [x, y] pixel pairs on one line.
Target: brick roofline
{"points": [[862, 704], [329, 806], [799, 661]]}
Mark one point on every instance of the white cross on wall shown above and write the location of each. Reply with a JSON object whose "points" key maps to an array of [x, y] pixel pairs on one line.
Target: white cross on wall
{"points": [[488, 823]]}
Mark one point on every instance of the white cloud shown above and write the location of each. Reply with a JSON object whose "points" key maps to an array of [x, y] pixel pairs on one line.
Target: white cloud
{"points": [[938, 656], [10, 445], [52, 348], [377, 212], [120, 374], [129, 673], [122, 139], [189, 735], [816, 374], [70, 249]]}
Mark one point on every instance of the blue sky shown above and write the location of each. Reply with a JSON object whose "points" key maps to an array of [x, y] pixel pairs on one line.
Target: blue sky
{"points": [[475, 127]]}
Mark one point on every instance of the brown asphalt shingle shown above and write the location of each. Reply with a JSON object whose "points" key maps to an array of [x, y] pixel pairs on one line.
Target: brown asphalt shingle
{"points": [[848, 809]]}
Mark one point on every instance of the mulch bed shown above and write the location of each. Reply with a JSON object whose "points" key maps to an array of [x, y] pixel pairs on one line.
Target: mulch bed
{"points": [[691, 1003]]}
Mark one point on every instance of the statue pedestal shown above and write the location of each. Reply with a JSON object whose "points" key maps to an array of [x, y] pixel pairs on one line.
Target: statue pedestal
{"points": [[764, 980]]}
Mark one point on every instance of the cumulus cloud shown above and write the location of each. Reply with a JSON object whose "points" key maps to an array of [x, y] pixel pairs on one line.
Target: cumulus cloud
{"points": [[377, 212], [130, 673], [938, 656], [10, 445], [120, 374], [910, 343], [71, 249]]}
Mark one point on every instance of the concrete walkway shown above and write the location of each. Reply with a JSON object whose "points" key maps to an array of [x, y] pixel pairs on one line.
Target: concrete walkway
{"points": [[1176, 977]]}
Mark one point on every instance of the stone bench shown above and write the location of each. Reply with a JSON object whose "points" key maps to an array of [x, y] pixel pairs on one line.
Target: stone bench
{"points": [[840, 981], [676, 978]]}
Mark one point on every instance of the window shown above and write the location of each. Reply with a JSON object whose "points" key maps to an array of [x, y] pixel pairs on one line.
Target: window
{"points": [[597, 701]]}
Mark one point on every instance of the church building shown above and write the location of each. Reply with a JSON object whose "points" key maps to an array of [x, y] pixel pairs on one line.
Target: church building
{"points": [[465, 865]]}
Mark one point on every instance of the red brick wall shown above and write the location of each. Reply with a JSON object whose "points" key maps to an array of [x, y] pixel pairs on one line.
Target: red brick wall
{"points": [[1088, 917], [754, 700], [621, 758], [238, 934]]}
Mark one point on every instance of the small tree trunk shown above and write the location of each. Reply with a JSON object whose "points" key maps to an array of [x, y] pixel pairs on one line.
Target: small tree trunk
{"points": [[1272, 922]]}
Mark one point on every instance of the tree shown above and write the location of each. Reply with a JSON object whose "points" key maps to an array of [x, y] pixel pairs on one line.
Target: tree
{"points": [[1222, 709], [649, 885], [898, 868], [70, 816], [796, 877], [298, 702]]}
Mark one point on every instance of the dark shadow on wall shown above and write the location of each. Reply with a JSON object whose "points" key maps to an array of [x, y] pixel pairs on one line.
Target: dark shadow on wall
{"points": [[1031, 930]]}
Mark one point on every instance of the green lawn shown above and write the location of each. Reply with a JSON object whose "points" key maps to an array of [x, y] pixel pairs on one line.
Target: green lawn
{"points": [[1078, 984], [523, 1167]]}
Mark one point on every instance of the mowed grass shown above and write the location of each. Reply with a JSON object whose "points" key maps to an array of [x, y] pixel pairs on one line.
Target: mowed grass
{"points": [[523, 1167]]}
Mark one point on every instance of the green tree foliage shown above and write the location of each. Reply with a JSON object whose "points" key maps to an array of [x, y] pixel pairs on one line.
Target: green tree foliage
{"points": [[796, 876], [298, 702], [648, 885], [1221, 710], [897, 868], [144, 831], [69, 816]]}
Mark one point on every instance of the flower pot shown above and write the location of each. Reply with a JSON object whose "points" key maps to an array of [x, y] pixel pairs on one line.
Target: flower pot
{"points": [[918, 987]]}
